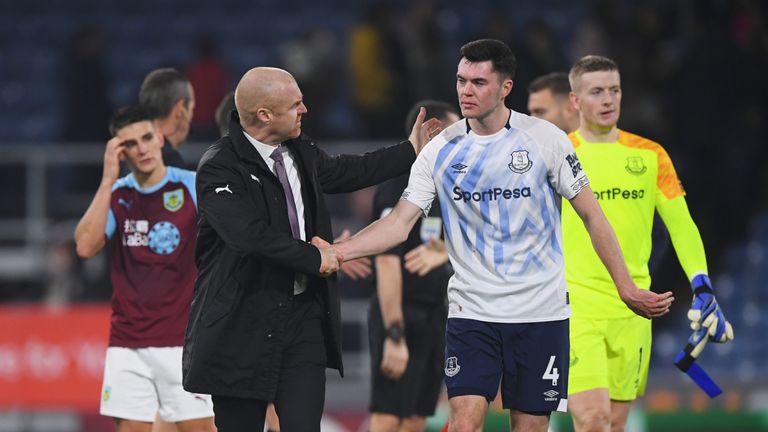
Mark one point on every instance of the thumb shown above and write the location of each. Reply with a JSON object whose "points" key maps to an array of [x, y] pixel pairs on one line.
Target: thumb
{"points": [[420, 118], [317, 241]]}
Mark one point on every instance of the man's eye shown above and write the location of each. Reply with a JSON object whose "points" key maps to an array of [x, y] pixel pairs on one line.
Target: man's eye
{"points": [[129, 143]]}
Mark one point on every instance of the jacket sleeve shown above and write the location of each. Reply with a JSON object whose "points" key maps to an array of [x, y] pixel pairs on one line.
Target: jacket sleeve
{"points": [[348, 173], [227, 206]]}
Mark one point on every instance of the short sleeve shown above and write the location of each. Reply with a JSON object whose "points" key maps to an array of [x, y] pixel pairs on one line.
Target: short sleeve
{"points": [[421, 188], [111, 224], [566, 175]]}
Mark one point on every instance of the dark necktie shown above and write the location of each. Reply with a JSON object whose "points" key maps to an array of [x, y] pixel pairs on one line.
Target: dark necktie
{"points": [[282, 175]]}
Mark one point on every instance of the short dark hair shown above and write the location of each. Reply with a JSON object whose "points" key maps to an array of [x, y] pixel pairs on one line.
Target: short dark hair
{"points": [[161, 89], [128, 115], [556, 82], [222, 112], [590, 63], [499, 53], [435, 108]]}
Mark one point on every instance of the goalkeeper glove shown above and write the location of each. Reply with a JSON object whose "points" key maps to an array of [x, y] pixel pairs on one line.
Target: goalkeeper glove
{"points": [[705, 312]]}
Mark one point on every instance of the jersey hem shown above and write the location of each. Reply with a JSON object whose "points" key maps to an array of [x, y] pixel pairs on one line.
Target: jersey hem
{"points": [[509, 321]]}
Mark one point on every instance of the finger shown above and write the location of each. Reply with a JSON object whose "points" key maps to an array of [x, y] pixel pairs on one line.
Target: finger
{"points": [[415, 252], [728, 332], [420, 117]]}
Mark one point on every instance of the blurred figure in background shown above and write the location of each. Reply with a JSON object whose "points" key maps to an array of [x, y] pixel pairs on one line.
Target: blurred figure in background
{"points": [[170, 99], [632, 178], [210, 78], [406, 319], [86, 88], [548, 100], [312, 58], [154, 214], [379, 70]]}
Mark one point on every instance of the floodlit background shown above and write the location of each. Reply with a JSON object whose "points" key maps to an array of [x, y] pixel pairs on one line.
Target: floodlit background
{"points": [[695, 78]]}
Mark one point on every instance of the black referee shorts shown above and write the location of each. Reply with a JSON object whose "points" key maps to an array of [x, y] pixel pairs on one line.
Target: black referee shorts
{"points": [[417, 391]]}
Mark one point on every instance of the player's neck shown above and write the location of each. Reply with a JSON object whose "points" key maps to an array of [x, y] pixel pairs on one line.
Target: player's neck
{"points": [[491, 123], [170, 130], [598, 134], [147, 180]]}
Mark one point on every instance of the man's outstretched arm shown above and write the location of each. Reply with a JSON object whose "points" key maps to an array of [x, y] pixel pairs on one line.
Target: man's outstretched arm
{"points": [[383, 234], [643, 302]]}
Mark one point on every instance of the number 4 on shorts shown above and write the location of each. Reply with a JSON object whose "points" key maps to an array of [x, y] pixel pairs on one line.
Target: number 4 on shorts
{"points": [[551, 373]]}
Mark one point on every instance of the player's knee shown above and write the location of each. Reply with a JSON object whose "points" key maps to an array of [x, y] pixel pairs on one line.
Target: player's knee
{"points": [[413, 424], [593, 420], [465, 425], [384, 423]]}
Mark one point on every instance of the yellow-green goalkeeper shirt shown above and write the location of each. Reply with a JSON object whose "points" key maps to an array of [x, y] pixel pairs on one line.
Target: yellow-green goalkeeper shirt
{"points": [[631, 178]]}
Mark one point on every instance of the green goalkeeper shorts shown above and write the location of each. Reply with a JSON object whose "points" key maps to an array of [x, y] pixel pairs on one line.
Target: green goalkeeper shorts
{"points": [[612, 354]]}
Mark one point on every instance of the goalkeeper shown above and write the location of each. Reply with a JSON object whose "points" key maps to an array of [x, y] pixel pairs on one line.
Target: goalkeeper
{"points": [[631, 177]]}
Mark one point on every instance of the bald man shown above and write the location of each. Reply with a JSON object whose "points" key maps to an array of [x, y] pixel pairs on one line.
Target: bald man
{"points": [[265, 321]]}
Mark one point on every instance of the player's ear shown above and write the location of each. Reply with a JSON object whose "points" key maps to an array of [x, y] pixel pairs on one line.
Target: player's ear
{"points": [[574, 100]]}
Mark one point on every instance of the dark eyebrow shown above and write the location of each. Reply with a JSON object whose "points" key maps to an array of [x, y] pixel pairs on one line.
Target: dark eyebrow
{"points": [[147, 136]]}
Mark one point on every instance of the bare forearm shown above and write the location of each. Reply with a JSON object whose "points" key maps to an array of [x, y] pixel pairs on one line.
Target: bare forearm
{"points": [[90, 231], [389, 288], [383, 234]]}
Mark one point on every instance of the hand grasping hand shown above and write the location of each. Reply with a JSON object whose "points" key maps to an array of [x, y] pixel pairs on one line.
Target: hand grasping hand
{"points": [[330, 258]]}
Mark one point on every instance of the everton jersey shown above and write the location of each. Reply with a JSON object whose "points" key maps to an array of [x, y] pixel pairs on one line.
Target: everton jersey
{"points": [[153, 272], [502, 226]]}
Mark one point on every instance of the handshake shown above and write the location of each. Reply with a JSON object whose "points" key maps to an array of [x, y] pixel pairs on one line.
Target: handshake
{"points": [[330, 258]]}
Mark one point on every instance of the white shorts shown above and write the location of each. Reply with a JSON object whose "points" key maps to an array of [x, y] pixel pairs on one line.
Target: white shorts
{"points": [[142, 382]]}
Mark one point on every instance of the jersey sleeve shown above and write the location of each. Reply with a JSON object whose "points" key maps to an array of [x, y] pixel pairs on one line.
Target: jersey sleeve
{"points": [[565, 172], [685, 236], [421, 188], [668, 185], [111, 224]]}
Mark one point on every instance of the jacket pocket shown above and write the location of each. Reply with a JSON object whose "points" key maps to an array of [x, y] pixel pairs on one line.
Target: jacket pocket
{"points": [[222, 302]]}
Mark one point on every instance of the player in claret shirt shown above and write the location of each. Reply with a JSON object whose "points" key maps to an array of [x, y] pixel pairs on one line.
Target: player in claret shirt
{"points": [[631, 177], [150, 215]]}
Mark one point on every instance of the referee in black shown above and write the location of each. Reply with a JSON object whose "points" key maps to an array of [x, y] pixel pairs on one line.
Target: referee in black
{"points": [[407, 316]]}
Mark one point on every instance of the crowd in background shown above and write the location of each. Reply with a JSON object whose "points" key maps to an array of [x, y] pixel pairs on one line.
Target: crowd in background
{"points": [[693, 79]]}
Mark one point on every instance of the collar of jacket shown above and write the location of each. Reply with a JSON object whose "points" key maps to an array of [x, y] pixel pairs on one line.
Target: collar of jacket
{"points": [[245, 149]]}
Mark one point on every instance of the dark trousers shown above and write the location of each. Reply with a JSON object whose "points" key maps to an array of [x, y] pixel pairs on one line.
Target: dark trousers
{"points": [[300, 393]]}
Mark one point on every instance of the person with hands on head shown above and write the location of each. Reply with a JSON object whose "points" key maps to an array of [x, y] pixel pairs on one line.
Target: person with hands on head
{"points": [[265, 317], [508, 301], [152, 212], [632, 178], [406, 318]]}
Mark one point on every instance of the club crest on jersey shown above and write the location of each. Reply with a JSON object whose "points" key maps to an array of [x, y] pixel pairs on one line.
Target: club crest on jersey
{"points": [[636, 165], [520, 162], [173, 200], [452, 366]]}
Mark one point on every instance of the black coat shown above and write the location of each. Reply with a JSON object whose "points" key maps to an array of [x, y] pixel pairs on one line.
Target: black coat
{"points": [[247, 259]]}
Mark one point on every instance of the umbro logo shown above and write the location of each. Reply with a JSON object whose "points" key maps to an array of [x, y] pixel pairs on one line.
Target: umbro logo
{"points": [[550, 395], [460, 168], [222, 189]]}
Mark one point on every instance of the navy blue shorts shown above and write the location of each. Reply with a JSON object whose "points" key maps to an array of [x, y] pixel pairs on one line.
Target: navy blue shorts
{"points": [[530, 360]]}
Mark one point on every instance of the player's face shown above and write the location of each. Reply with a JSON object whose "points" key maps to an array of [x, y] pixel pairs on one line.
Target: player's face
{"points": [[143, 145], [545, 105], [599, 99], [287, 112], [481, 91]]}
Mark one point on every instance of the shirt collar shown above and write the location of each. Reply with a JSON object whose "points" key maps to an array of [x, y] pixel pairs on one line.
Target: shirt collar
{"points": [[265, 150], [508, 125]]}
